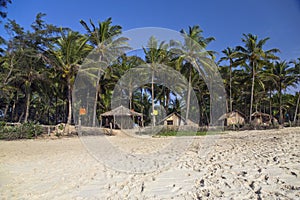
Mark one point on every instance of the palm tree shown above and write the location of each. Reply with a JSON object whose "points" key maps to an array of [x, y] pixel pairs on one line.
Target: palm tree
{"points": [[68, 53], [194, 47], [124, 67], [255, 58], [155, 54], [297, 107], [267, 81], [100, 37], [297, 77], [282, 74], [230, 55]]}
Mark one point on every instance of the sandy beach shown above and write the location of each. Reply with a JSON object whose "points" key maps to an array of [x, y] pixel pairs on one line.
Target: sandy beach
{"points": [[238, 165]]}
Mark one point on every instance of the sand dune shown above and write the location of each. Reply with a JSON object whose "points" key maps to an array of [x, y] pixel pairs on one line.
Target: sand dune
{"points": [[241, 165]]}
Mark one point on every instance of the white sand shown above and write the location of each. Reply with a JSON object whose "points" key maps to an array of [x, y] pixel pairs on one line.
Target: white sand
{"points": [[241, 165]]}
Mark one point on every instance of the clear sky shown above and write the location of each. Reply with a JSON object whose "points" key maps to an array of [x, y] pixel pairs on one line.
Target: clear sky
{"points": [[226, 20]]}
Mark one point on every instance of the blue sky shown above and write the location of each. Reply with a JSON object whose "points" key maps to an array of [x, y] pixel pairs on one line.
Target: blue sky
{"points": [[226, 20]]}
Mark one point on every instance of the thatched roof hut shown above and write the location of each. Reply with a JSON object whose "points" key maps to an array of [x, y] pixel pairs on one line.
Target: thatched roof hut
{"points": [[121, 117], [175, 119], [233, 118], [262, 119]]}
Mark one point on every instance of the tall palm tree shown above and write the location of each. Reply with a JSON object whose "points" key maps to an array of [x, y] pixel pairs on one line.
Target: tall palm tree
{"points": [[266, 76], [68, 53], [104, 33], [155, 53], [297, 77], [193, 48], [124, 67], [231, 55], [255, 58], [282, 75]]}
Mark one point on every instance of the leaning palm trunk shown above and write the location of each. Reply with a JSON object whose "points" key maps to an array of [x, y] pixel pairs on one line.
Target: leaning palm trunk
{"points": [[297, 106]]}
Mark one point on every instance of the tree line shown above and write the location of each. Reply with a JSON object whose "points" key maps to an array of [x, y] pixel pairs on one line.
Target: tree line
{"points": [[39, 68]]}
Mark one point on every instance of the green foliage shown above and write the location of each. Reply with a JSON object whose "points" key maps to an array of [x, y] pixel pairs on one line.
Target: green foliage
{"points": [[39, 67], [166, 132], [23, 131], [173, 131]]}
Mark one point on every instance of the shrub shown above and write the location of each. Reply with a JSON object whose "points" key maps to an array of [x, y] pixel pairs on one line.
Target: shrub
{"points": [[24, 131]]}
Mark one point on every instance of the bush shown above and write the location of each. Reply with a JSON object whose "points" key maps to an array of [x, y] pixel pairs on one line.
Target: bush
{"points": [[174, 131], [23, 131]]}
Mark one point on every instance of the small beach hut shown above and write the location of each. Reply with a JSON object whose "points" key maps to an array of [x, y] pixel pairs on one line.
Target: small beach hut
{"points": [[175, 119], [120, 117], [262, 119], [234, 118]]}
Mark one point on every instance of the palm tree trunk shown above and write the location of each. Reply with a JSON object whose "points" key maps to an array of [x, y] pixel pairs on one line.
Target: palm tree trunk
{"points": [[130, 101], [188, 96], [13, 109], [252, 92], [270, 96], [5, 110], [95, 104], [87, 120], [56, 109], [167, 99], [130, 96], [227, 105], [96, 98], [297, 105], [152, 94], [69, 102], [27, 105], [280, 104], [230, 83]]}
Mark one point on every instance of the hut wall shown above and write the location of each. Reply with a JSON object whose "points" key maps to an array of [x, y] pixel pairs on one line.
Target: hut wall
{"points": [[124, 122], [176, 120]]}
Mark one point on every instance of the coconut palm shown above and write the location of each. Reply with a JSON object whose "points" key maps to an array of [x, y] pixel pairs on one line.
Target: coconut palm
{"points": [[255, 58], [283, 77], [297, 78], [190, 54], [101, 37], [67, 54], [231, 55], [155, 53]]}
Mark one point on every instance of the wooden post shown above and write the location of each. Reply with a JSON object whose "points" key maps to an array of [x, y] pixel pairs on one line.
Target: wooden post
{"points": [[114, 122], [100, 121], [110, 126]]}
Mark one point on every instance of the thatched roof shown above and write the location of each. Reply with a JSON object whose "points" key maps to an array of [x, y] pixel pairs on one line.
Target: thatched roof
{"points": [[231, 114], [259, 114], [174, 113], [189, 122], [121, 111]]}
